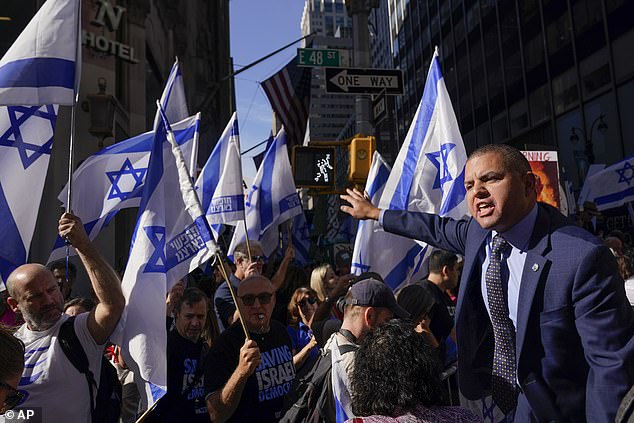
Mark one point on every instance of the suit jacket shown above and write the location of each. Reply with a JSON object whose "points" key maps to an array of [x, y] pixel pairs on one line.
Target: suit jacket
{"points": [[574, 324]]}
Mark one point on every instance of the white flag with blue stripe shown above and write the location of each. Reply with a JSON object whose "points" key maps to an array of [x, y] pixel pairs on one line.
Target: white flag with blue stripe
{"points": [[171, 239], [26, 140], [219, 185], [613, 186], [113, 179], [272, 199], [39, 68], [401, 261], [428, 175]]}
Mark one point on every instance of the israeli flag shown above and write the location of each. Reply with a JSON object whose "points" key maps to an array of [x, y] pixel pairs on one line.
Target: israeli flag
{"points": [[428, 175], [272, 199], [402, 260], [170, 240], [26, 140], [39, 68], [219, 185], [114, 178], [340, 385], [613, 186], [300, 238]]}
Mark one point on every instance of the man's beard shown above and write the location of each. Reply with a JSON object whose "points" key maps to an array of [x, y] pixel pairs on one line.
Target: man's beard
{"points": [[38, 322]]}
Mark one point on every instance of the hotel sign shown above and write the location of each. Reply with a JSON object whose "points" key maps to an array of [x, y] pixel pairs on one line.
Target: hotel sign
{"points": [[108, 16]]}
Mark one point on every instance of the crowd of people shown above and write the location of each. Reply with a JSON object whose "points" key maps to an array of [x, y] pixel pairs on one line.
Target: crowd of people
{"points": [[531, 309]]}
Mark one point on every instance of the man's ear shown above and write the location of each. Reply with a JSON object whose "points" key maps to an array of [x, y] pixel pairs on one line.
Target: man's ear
{"points": [[530, 183], [445, 271], [13, 304], [369, 315]]}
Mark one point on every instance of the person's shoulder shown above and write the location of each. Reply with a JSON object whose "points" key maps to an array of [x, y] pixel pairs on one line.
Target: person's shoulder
{"points": [[564, 230], [222, 290]]}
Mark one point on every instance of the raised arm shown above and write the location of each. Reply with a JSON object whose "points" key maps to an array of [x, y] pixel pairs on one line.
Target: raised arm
{"points": [[360, 207], [104, 280], [279, 276]]}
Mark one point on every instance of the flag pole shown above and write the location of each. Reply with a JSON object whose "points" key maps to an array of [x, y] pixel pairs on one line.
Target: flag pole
{"points": [[221, 263], [71, 149]]}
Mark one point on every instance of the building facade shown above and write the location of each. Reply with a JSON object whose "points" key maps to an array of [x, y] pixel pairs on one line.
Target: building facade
{"points": [[129, 47], [531, 73]]}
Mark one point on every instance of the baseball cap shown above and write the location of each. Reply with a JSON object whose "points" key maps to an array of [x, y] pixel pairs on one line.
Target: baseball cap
{"points": [[374, 293]]}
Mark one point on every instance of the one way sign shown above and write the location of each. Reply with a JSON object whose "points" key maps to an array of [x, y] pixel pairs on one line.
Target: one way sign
{"points": [[364, 81]]}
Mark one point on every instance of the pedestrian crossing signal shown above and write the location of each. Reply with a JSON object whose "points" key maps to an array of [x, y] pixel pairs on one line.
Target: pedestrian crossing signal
{"points": [[314, 167]]}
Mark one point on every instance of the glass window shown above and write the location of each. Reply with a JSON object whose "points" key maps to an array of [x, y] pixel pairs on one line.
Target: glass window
{"points": [[328, 6], [534, 52], [595, 73], [565, 92], [606, 144], [518, 114], [329, 25], [539, 104], [626, 105], [500, 128], [558, 34], [586, 14], [484, 134], [623, 58]]}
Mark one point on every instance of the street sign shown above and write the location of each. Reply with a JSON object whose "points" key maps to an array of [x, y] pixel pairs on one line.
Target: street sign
{"points": [[314, 167], [311, 57], [379, 108], [364, 81]]}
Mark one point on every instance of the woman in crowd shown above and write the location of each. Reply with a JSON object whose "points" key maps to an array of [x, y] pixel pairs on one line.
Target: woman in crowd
{"points": [[396, 379], [323, 280], [77, 306], [418, 303], [12, 359], [301, 309]]}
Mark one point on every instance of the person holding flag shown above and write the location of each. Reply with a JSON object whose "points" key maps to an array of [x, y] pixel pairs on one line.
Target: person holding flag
{"points": [[545, 331]]}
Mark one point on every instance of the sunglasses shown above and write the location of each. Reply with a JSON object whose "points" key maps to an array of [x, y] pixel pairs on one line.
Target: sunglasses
{"points": [[258, 259], [13, 398], [309, 300], [249, 299]]}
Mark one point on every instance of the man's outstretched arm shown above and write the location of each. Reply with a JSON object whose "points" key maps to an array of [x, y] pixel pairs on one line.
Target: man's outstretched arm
{"points": [[104, 280]]}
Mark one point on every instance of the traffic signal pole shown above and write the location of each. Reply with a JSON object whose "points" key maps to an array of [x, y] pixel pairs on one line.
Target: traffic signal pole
{"points": [[359, 11]]}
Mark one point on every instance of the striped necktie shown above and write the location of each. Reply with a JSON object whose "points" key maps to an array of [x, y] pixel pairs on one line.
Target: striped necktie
{"points": [[503, 382]]}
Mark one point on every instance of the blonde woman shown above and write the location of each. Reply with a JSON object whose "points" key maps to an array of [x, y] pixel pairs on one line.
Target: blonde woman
{"points": [[323, 280]]}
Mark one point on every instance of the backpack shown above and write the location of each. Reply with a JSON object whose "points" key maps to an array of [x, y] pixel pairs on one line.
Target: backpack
{"points": [[108, 401], [311, 398]]}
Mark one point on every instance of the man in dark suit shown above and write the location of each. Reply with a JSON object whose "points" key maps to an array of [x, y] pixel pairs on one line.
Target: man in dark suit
{"points": [[542, 320]]}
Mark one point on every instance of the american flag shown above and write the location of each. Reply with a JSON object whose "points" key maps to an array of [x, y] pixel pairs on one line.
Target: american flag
{"points": [[288, 92]]}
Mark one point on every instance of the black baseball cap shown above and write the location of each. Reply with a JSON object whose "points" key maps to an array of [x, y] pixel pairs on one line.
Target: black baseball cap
{"points": [[371, 292]]}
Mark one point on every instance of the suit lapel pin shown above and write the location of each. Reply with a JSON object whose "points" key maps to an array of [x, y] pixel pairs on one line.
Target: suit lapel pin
{"points": [[535, 267]]}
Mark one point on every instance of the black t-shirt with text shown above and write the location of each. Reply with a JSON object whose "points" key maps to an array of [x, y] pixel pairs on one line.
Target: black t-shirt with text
{"points": [[185, 398], [263, 395]]}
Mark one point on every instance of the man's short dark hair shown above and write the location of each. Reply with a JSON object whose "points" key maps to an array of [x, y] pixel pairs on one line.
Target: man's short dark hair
{"points": [[190, 296], [61, 265], [441, 258], [513, 159], [394, 371]]}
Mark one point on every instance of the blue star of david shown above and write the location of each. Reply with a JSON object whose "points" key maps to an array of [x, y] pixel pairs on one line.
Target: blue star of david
{"points": [[250, 196], [622, 177], [157, 261], [443, 175], [12, 137], [115, 176]]}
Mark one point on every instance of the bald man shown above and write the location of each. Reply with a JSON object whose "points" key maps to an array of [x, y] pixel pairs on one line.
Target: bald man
{"points": [[247, 380], [50, 380]]}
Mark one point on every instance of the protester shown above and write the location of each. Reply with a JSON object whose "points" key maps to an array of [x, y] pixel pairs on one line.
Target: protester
{"points": [[77, 306], [49, 378], [225, 307], [565, 337], [323, 281], [7, 316], [368, 304], [246, 380], [418, 302], [343, 261], [396, 379], [301, 310], [65, 279], [12, 359], [186, 354]]}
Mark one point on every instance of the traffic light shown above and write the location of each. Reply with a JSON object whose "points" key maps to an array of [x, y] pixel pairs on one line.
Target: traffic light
{"points": [[314, 167], [361, 151]]}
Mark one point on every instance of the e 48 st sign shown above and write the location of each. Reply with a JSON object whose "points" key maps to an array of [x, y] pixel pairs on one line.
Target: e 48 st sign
{"points": [[364, 81]]}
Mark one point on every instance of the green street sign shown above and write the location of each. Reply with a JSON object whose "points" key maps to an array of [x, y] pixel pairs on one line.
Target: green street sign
{"points": [[311, 57]]}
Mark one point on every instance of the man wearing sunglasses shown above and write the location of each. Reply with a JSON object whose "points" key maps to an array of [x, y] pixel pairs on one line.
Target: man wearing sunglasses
{"points": [[223, 301], [49, 379], [246, 381]]}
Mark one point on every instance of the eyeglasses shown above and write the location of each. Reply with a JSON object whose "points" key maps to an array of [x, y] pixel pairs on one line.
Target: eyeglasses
{"points": [[13, 398], [259, 259], [309, 300], [249, 299]]}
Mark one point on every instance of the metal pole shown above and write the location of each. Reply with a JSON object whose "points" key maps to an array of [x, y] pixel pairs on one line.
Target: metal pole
{"points": [[359, 10]]}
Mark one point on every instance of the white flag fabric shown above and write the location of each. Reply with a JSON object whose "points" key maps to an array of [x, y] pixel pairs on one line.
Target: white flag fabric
{"points": [[428, 175], [613, 186], [401, 261], [26, 140], [170, 240], [39, 68], [272, 199], [113, 179], [219, 185]]}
